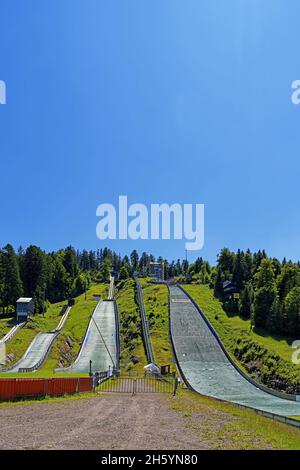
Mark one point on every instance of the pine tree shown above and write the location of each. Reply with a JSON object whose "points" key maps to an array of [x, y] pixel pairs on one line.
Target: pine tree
{"points": [[245, 301], [12, 285], [134, 258]]}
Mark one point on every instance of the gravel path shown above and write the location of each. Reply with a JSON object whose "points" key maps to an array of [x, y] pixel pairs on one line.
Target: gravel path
{"points": [[115, 421]]}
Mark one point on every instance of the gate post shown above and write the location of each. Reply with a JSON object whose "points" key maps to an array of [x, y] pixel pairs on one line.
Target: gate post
{"points": [[134, 387], [175, 386]]}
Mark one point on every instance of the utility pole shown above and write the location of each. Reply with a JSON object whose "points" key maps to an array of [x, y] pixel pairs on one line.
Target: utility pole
{"points": [[44, 298]]}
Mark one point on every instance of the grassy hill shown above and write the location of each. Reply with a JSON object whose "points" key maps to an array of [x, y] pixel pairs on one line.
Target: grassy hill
{"points": [[156, 300], [132, 352], [265, 357]]}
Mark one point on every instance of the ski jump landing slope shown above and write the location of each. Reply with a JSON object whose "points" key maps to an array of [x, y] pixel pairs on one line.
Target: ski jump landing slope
{"points": [[99, 345], [39, 348], [35, 354], [206, 367]]}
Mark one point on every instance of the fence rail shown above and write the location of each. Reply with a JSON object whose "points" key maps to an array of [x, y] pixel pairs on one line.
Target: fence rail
{"points": [[138, 385], [11, 389]]}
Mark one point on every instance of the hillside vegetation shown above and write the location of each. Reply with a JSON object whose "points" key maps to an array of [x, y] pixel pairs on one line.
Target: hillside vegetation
{"points": [[156, 301], [132, 352], [267, 358]]}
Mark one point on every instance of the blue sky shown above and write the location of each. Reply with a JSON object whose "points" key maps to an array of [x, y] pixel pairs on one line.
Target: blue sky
{"points": [[163, 101]]}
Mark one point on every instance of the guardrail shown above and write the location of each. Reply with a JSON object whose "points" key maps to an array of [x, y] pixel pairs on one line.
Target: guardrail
{"points": [[145, 325], [117, 336]]}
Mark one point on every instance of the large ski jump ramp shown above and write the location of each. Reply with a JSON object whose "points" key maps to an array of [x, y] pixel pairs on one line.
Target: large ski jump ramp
{"points": [[206, 367], [100, 342]]}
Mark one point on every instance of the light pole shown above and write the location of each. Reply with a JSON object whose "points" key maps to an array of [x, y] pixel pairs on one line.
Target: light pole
{"points": [[44, 298]]}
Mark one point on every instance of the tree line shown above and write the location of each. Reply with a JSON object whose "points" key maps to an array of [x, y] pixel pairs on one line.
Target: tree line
{"points": [[66, 273], [269, 289]]}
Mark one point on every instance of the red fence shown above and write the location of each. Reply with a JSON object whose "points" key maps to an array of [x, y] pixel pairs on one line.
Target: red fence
{"points": [[18, 388]]}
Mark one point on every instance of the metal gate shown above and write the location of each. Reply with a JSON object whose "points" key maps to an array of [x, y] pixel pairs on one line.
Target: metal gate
{"points": [[134, 385]]}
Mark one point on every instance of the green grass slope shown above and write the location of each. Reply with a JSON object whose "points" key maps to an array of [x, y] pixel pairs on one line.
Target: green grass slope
{"points": [[156, 301], [265, 357], [6, 324], [132, 352]]}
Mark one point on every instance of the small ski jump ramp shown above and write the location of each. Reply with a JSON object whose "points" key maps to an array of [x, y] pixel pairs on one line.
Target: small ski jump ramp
{"points": [[38, 349], [206, 367], [100, 342], [35, 354]]}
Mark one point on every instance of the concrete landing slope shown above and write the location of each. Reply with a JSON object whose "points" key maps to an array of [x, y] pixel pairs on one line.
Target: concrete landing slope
{"points": [[35, 354], [100, 342], [39, 348], [206, 367]]}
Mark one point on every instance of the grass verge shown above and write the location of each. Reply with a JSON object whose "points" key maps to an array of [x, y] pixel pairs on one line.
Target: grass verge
{"points": [[225, 426]]}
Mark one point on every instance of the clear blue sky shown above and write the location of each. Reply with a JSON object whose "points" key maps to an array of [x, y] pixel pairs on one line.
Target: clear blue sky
{"points": [[164, 101]]}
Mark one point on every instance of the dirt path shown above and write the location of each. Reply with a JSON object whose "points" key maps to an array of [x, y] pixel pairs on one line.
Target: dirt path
{"points": [[109, 422]]}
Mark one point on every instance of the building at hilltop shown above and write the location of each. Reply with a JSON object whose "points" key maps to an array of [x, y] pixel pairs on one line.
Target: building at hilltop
{"points": [[156, 269], [25, 307]]}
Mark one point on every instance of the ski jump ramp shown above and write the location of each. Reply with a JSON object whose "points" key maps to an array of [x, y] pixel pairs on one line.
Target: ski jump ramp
{"points": [[206, 367], [100, 342], [35, 354], [38, 349]]}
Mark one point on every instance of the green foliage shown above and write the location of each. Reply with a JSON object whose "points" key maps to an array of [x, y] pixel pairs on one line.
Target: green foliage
{"points": [[133, 357], [264, 284], [10, 281], [156, 300], [124, 272], [292, 312]]}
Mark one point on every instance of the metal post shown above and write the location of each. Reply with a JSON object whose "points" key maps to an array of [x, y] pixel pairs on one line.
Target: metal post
{"points": [[134, 387], [91, 369], [175, 386], [44, 298]]}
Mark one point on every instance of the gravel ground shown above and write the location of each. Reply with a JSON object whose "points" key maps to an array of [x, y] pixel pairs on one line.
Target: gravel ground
{"points": [[114, 421]]}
